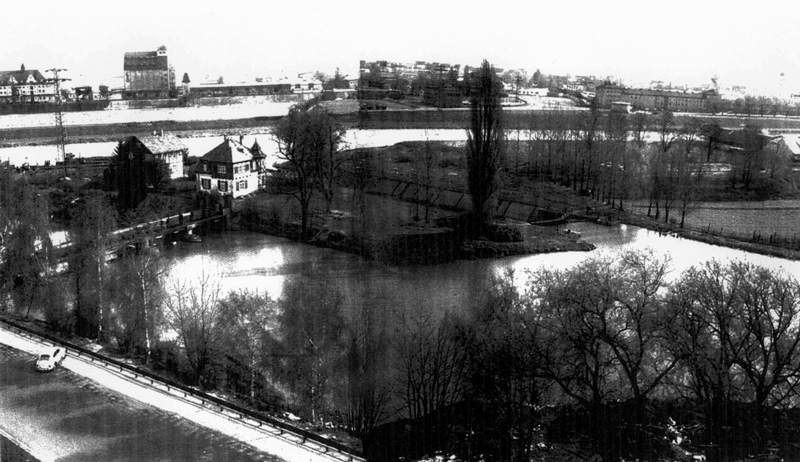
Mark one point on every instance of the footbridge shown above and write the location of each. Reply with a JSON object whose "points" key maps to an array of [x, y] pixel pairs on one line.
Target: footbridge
{"points": [[172, 227]]}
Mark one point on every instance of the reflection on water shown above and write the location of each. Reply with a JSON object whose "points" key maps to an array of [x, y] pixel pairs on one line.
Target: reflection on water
{"points": [[241, 260]]}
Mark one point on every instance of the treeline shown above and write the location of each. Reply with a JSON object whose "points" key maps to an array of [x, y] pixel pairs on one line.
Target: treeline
{"points": [[616, 158], [609, 354]]}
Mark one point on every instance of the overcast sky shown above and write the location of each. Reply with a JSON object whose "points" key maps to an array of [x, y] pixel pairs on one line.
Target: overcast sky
{"points": [[682, 41]]}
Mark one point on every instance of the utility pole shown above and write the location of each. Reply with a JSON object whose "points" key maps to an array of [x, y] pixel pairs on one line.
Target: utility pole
{"points": [[62, 134]]}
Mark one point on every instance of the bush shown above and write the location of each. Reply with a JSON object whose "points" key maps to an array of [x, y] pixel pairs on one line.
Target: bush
{"points": [[503, 233]]}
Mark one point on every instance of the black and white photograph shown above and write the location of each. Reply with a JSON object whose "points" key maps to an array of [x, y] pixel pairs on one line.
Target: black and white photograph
{"points": [[399, 231]]}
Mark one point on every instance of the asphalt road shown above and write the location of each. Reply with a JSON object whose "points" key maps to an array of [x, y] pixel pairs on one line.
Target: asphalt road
{"points": [[66, 417]]}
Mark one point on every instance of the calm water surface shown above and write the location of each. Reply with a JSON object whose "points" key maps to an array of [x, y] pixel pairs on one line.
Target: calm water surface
{"points": [[241, 260]]}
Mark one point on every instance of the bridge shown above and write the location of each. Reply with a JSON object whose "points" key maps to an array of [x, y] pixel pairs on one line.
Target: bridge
{"points": [[175, 226]]}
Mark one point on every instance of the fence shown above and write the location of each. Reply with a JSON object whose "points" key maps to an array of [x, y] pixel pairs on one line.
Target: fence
{"points": [[309, 440]]}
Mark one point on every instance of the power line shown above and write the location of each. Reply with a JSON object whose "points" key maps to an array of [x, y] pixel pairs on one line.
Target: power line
{"points": [[61, 132]]}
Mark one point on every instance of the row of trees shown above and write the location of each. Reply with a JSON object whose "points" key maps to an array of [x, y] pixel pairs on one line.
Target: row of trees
{"points": [[619, 157], [640, 359], [712, 357]]}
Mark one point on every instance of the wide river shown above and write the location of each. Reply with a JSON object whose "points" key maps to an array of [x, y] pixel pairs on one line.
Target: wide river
{"points": [[242, 260]]}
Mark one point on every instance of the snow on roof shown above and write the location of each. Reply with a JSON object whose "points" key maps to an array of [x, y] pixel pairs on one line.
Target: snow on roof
{"points": [[166, 142], [229, 152]]}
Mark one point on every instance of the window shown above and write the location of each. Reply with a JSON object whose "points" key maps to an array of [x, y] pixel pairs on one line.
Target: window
{"points": [[223, 186], [205, 183], [220, 169], [205, 166], [241, 185]]}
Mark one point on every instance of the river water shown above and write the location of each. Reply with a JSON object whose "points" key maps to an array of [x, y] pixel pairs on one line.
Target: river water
{"points": [[242, 260]]}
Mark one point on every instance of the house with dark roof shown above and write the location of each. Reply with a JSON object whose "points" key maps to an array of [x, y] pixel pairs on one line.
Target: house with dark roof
{"points": [[231, 168], [164, 147], [148, 74], [26, 86]]}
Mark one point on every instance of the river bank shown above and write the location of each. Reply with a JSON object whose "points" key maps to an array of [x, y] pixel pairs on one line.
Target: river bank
{"points": [[708, 236], [390, 231], [111, 125]]}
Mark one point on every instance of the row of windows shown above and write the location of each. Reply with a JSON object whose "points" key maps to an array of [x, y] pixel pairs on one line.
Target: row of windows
{"points": [[243, 168], [222, 185]]}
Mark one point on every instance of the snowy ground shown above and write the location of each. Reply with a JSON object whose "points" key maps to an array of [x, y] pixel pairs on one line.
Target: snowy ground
{"points": [[38, 444], [120, 116]]}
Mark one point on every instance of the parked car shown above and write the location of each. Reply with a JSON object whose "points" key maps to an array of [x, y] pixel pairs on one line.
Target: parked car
{"points": [[49, 359]]}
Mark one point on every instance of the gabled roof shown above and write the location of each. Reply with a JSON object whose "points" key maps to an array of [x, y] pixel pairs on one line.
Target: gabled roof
{"points": [[229, 152], [20, 77], [160, 144]]}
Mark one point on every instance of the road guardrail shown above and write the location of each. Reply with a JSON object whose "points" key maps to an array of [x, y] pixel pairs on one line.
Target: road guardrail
{"points": [[230, 410]]}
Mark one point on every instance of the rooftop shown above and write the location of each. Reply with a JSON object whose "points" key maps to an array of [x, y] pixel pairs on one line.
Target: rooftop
{"points": [[145, 60], [229, 151], [163, 143]]}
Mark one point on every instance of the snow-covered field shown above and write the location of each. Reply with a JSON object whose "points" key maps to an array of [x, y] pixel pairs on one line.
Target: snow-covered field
{"points": [[112, 116]]}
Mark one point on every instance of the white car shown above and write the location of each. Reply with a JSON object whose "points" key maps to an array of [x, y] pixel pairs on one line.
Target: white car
{"points": [[49, 359]]}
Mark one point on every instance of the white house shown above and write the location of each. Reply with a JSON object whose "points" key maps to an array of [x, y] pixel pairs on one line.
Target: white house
{"points": [[231, 169]]}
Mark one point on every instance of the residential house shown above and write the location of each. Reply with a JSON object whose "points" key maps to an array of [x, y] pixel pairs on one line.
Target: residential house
{"points": [[231, 168], [24, 86], [164, 147]]}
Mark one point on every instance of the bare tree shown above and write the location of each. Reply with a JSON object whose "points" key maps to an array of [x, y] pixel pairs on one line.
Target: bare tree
{"points": [[367, 381], [90, 235], [604, 324], [734, 330], [501, 340], [247, 324], [194, 314], [309, 139], [26, 251], [667, 134], [311, 334], [431, 369]]}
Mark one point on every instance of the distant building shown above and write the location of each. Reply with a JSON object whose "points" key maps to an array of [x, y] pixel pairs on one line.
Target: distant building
{"points": [[148, 74], [649, 99], [24, 86], [277, 87], [398, 76], [442, 96], [534, 91], [231, 169]]}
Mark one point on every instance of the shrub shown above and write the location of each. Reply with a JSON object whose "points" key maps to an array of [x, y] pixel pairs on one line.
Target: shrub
{"points": [[503, 233]]}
